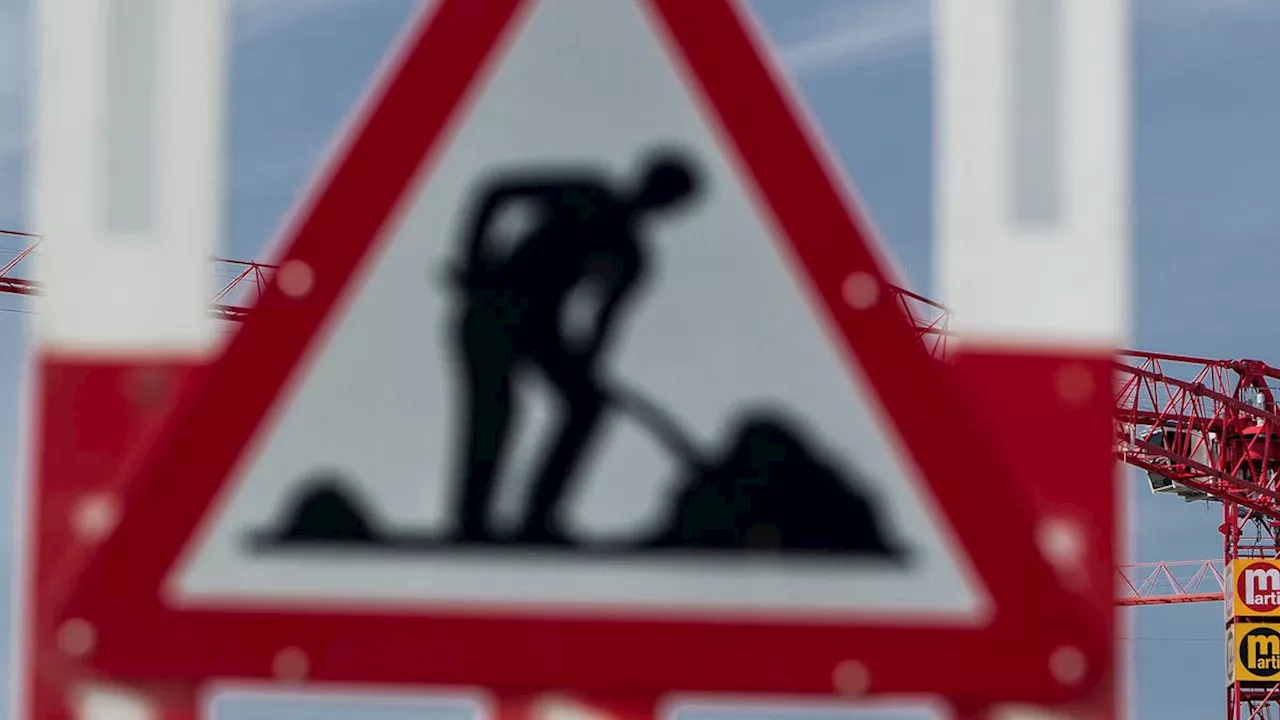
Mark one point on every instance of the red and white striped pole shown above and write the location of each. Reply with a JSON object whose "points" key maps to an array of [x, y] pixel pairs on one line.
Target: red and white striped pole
{"points": [[1033, 256], [127, 190]]}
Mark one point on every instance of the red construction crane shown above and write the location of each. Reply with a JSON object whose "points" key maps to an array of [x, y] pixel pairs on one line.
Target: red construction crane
{"points": [[1201, 429]]}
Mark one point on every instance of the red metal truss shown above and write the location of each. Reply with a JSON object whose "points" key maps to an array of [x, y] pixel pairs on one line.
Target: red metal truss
{"points": [[240, 282], [1201, 429], [243, 283], [1165, 583], [932, 321]]}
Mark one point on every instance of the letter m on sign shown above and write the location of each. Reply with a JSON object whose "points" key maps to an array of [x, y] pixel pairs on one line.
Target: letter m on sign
{"points": [[1263, 647], [1260, 581]]}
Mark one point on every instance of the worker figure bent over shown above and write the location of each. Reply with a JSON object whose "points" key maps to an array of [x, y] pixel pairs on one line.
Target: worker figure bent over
{"points": [[514, 311]]}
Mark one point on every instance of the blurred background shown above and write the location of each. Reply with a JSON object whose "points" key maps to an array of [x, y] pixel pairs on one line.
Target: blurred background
{"points": [[1206, 144]]}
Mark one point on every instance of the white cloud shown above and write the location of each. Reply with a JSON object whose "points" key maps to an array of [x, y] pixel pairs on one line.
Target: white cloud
{"points": [[863, 32], [259, 17], [849, 33]]}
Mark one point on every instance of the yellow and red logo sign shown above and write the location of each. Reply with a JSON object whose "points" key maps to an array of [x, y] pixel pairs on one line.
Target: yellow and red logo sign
{"points": [[1257, 652], [1255, 586]]}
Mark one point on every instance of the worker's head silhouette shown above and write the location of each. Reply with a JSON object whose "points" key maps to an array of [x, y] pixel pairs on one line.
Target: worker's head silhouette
{"points": [[668, 180]]}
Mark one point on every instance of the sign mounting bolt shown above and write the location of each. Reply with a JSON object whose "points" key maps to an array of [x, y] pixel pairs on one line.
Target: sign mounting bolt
{"points": [[1062, 542], [77, 637], [291, 665], [851, 678], [1068, 665], [1074, 385], [860, 291], [296, 279], [95, 516]]}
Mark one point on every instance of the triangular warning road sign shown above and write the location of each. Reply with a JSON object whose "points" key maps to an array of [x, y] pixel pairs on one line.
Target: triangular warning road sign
{"points": [[770, 478]]}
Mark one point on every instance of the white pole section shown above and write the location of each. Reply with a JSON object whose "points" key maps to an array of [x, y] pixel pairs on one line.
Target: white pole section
{"points": [[128, 173], [1032, 170]]}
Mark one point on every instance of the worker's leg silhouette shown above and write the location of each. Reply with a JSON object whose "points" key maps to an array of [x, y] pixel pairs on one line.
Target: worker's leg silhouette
{"points": [[488, 404], [581, 410]]}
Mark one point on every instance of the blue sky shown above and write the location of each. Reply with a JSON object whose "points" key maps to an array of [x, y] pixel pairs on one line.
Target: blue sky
{"points": [[1206, 154]]}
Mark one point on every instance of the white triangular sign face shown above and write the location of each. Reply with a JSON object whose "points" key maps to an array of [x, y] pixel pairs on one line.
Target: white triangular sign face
{"points": [[720, 325]]}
